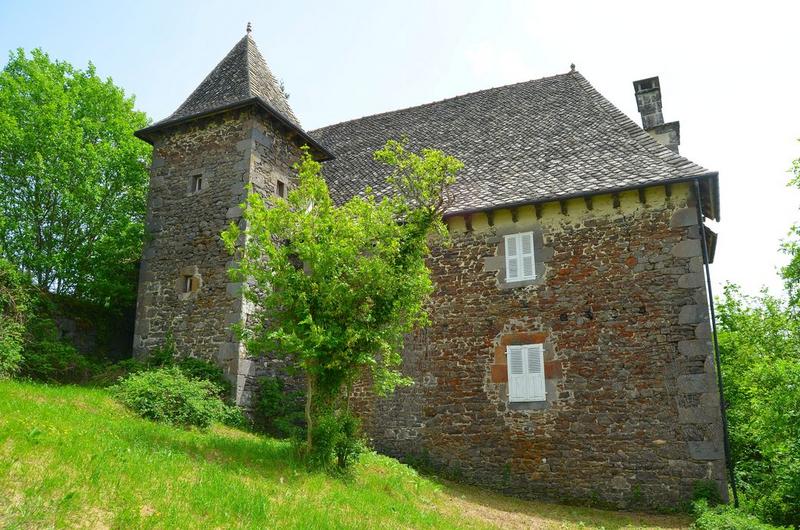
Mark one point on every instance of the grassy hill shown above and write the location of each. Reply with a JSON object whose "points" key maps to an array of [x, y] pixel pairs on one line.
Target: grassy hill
{"points": [[71, 457]]}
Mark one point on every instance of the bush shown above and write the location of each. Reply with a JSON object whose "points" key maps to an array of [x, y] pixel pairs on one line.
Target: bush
{"points": [[15, 298], [337, 441], [168, 395], [726, 517], [278, 412], [110, 374], [48, 359], [206, 371], [167, 355], [706, 490]]}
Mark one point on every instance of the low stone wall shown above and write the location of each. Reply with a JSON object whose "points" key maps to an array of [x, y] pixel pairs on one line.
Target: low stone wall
{"points": [[632, 414], [94, 330]]}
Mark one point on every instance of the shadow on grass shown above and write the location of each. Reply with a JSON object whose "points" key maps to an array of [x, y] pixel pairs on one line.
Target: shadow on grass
{"points": [[229, 449], [512, 512]]}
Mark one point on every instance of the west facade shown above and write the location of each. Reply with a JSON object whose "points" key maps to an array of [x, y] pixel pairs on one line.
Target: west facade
{"points": [[569, 353]]}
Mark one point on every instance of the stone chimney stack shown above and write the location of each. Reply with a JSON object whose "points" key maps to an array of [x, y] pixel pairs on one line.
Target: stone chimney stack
{"points": [[648, 100]]}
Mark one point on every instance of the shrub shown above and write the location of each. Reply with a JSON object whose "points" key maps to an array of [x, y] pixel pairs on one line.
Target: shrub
{"points": [[337, 441], [48, 359], [279, 412], [206, 371], [14, 312], [168, 395], [111, 373], [167, 355], [725, 517], [706, 490]]}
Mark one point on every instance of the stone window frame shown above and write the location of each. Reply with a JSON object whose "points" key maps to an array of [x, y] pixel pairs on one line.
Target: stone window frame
{"points": [[281, 188], [525, 352], [205, 182], [497, 263], [188, 276], [520, 255]]}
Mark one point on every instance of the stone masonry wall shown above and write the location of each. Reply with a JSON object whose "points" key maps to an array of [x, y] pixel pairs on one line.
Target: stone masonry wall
{"points": [[228, 151], [632, 414]]}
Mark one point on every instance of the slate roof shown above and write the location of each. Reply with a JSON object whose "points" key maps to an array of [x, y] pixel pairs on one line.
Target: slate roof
{"points": [[241, 78], [547, 139], [241, 75]]}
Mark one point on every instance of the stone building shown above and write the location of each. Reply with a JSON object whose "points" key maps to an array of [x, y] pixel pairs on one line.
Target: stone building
{"points": [[569, 353]]}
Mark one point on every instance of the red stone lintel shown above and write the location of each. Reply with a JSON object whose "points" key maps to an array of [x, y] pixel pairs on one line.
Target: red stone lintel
{"points": [[499, 373]]}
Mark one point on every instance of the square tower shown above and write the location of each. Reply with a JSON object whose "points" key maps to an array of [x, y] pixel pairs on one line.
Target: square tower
{"points": [[236, 129]]}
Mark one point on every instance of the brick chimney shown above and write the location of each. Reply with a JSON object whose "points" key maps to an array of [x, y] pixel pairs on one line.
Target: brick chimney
{"points": [[648, 100]]}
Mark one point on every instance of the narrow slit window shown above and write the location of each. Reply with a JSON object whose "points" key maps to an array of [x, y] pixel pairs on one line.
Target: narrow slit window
{"points": [[197, 183], [189, 284], [280, 189]]}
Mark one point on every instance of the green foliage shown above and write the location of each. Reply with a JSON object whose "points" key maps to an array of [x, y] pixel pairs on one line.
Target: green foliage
{"points": [[706, 490], [724, 517], [205, 371], [49, 359], [167, 355], [278, 411], [73, 179], [15, 307], [760, 349], [168, 395], [337, 441], [344, 283], [110, 374]]}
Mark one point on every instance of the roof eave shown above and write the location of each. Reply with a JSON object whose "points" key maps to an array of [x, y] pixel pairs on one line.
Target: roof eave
{"points": [[711, 177], [146, 134]]}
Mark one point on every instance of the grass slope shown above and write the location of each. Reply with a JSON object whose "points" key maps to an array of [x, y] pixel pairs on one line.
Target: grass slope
{"points": [[72, 457]]}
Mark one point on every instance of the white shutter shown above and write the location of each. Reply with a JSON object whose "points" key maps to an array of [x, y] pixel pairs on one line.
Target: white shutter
{"points": [[512, 258], [535, 366], [520, 264], [525, 373], [516, 373], [526, 256]]}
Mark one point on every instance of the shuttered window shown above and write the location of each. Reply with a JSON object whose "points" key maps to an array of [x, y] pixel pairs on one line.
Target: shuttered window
{"points": [[525, 373], [519, 257]]}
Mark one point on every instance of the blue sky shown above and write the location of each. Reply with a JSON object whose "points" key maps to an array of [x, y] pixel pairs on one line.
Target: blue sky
{"points": [[728, 73]]}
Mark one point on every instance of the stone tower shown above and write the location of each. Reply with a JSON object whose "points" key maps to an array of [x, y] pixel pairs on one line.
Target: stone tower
{"points": [[235, 129]]}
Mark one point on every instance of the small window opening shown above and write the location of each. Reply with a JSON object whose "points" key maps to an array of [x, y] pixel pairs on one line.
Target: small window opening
{"points": [[197, 183], [190, 284], [280, 189]]}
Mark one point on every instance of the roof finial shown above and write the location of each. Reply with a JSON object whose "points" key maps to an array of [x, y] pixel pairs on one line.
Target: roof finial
{"points": [[249, 28], [572, 67]]}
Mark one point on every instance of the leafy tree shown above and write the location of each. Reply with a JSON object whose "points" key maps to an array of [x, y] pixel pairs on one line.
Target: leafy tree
{"points": [[760, 351], [759, 339], [73, 178], [335, 288], [15, 308]]}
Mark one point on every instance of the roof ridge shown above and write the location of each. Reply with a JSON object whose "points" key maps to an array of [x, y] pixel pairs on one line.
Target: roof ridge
{"points": [[249, 83], [438, 101], [650, 144], [200, 85]]}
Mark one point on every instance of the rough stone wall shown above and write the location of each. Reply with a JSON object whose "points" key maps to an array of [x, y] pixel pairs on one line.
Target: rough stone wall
{"points": [[632, 412], [93, 329], [228, 151]]}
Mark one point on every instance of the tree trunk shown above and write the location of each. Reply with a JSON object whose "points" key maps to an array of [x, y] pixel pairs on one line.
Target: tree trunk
{"points": [[309, 392]]}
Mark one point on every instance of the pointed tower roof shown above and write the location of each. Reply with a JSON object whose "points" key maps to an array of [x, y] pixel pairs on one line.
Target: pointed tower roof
{"points": [[242, 78]]}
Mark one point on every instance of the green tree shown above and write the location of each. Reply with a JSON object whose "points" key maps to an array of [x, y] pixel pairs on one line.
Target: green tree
{"points": [[15, 309], [759, 338], [335, 288], [73, 178], [759, 341]]}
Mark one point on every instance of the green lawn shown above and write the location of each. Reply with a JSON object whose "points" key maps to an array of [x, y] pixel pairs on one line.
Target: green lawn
{"points": [[71, 457]]}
